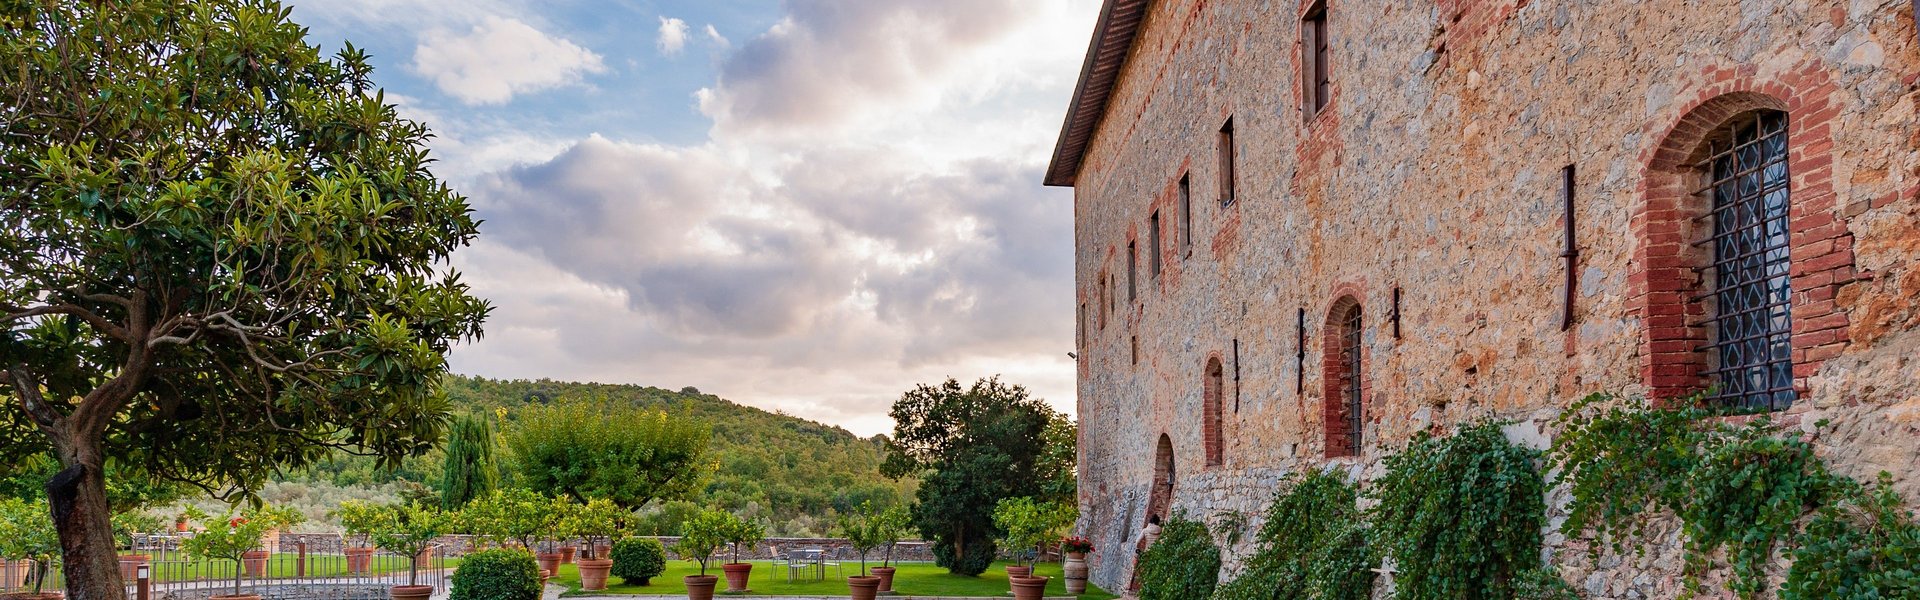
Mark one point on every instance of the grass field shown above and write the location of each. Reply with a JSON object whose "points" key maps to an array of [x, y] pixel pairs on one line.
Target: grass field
{"points": [[283, 565], [771, 580]]}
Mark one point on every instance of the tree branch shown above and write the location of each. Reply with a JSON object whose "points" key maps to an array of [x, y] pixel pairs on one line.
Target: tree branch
{"points": [[27, 390]]}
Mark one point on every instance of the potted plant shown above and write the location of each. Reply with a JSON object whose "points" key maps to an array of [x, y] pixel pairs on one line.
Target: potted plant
{"points": [[1027, 525], [237, 538], [180, 523], [547, 523], [126, 525], [511, 515], [740, 532], [598, 519], [359, 519], [865, 529], [1075, 569], [27, 535], [894, 523], [700, 537], [410, 531]]}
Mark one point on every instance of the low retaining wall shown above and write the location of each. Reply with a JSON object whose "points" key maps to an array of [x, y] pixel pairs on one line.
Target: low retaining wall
{"points": [[456, 545]]}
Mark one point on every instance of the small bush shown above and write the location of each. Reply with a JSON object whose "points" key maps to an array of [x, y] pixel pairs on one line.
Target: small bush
{"points": [[1313, 545], [1460, 515], [1183, 565], [497, 575], [637, 560], [975, 560]]}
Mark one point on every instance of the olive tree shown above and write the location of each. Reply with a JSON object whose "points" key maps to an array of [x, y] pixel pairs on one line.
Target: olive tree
{"points": [[221, 254]]}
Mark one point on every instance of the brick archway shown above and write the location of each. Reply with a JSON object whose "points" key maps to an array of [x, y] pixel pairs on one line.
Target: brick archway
{"points": [[1665, 287], [1343, 364]]}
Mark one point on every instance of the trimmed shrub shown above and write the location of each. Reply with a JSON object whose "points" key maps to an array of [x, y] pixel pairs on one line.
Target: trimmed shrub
{"points": [[637, 560], [1184, 564], [499, 574]]}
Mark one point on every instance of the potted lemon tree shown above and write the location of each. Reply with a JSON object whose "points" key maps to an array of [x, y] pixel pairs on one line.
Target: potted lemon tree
{"points": [[740, 532], [27, 534], [865, 530], [1027, 525], [894, 523], [359, 518], [410, 531], [599, 519], [237, 538], [700, 537]]}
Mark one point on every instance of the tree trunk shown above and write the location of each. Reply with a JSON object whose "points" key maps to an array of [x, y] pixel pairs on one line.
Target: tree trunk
{"points": [[78, 494]]}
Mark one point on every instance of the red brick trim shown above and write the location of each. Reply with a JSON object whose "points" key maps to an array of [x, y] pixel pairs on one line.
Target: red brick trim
{"points": [[1666, 275], [1333, 372], [1212, 386]]}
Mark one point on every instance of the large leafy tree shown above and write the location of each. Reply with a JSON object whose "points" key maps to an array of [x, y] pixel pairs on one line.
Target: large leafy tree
{"points": [[589, 449], [221, 253], [471, 471], [973, 446]]}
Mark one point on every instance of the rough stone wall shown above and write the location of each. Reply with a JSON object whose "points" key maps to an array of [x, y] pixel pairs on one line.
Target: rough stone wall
{"points": [[1436, 170]]}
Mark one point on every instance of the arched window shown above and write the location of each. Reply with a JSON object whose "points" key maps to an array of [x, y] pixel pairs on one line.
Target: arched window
{"points": [[1748, 308], [1211, 388], [1160, 498], [1344, 379]]}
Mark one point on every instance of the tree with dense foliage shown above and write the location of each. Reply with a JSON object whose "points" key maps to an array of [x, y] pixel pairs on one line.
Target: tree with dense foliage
{"points": [[26, 533], [510, 515], [500, 574], [470, 471], [599, 449], [223, 254], [973, 446], [1028, 526], [704, 535]]}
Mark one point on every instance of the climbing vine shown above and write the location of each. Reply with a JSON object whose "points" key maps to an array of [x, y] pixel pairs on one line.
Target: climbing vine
{"points": [[1739, 487], [1461, 515], [1313, 545], [1184, 563]]}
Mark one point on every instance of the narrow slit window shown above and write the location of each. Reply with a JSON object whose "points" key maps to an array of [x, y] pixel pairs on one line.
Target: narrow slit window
{"points": [[1186, 216], [1226, 163], [1153, 245], [1133, 270], [1315, 50]]}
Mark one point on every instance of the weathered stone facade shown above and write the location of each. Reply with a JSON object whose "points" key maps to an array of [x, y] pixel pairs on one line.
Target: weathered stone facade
{"points": [[1435, 177]]}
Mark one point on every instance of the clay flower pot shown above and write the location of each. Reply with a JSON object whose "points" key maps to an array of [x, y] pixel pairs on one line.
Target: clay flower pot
{"points": [[593, 573], [1076, 572], [359, 560], [700, 587], [410, 592], [566, 554], [864, 588], [255, 562], [886, 578], [130, 566], [737, 575], [550, 562], [1029, 588], [1017, 571]]}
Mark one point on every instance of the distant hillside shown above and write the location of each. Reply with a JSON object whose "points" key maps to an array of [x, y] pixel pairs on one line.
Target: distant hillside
{"points": [[786, 471]]}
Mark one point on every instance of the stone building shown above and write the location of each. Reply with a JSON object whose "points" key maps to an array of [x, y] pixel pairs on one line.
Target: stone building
{"points": [[1308, 229]]}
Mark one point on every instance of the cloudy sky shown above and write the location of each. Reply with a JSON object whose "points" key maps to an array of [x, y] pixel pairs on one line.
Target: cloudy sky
{"points": [[802, 205]]}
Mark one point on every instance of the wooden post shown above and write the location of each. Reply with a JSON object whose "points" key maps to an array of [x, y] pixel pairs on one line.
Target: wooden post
{"points": [[300, 568]]}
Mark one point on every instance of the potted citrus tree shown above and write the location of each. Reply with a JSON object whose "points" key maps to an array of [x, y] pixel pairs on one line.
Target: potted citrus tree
{"points": [[700, 537], [510, 515], [410, 531], [894, 523], [740, 532], [126, 525], [865, 530], [237, 538], [1027, 525], [27, 534], [598, 519], [359, 519]]}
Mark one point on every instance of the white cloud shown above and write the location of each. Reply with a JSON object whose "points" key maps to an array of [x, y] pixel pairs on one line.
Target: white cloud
{"points": [[673, 36], [713, 35], [499, 58]]}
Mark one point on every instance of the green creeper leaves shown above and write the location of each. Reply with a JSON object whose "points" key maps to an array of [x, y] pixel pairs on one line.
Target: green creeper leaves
{"points": [[1183, 565], [1461, 515]]}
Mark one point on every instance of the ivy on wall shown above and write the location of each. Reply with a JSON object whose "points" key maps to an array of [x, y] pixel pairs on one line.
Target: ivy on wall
{"points": [[1461, 515], [1743, 487], [1313, 545], [1183, 565]]}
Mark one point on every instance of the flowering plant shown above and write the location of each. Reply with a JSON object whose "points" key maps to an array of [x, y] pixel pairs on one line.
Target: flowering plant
{"points": [[1076, 544]]}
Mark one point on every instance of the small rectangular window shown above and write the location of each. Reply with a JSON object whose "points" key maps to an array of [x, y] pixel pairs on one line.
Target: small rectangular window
{"points": [[1082, 342], [1226, 163], [1135, 340], [1316, 73], [1186, 216], [1153, 245], [1133, 272]]}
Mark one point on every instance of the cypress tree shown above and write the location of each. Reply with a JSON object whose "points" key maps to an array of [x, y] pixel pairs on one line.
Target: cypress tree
{"points": [[470, 468]]}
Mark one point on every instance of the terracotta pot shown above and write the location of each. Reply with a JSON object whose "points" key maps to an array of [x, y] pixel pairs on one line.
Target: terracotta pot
{"points": [[1029, 588], [359, 560], [864, 588], [130, 566], [255, 562], [1017, 571], [544, 576], [1076, 572], [737, 575], [180, 524], [886, 578], [410, 592], [700, 587], [593, 573], [566, 554], [549, 562]]}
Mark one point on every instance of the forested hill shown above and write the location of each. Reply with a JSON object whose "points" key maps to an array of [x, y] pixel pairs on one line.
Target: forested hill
{"points": [[790, 473]]}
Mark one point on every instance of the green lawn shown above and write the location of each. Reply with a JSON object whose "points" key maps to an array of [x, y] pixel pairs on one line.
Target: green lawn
{"points": [[283, 565], [771, 580]]}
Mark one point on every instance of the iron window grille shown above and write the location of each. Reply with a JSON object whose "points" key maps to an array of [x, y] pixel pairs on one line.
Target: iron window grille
{"points": [[1750, 362], [1350, 353]]}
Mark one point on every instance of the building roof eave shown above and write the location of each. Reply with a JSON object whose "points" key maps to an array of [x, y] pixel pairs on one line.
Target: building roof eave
{"points": [[1112, 41]]}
